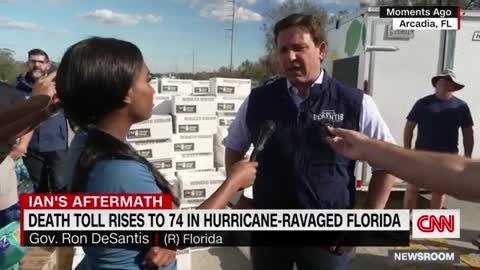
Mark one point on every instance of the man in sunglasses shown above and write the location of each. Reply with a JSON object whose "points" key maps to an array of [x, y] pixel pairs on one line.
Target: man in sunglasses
{"points": [[438, 117], [44, 149]]}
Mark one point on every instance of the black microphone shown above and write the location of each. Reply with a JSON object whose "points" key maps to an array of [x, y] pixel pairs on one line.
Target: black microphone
{"points": [[265, 133]]}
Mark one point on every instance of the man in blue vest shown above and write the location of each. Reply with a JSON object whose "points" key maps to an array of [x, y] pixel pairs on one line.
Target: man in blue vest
{"points": [[298, 169], [45, 148]]}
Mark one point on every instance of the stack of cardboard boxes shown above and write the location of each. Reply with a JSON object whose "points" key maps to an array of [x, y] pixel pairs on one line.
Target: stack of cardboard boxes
{"points": [[183, 138], [231, 93]]}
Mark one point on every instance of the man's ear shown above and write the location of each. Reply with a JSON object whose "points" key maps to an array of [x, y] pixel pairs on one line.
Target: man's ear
{"points": [[322, 50]]}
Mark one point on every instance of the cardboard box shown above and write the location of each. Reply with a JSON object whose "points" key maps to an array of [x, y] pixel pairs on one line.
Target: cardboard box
{"points": [[184, 259], [162, 104], [173, 182], [154, 84], [205, 170], [219, 148], [158, 127], [193, 105], [195, 124], [164, 166], [195, 187], [175, 86], [189, 206], [222, 170], [229, 104], [194, 143], [193, 161], [224, 121], [154, 150], [200, 87], [157, 152], [230, 87]]}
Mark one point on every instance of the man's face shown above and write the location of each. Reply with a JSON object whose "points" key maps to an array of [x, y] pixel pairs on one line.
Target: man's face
{"points": [[300, 58], [38, 65], [446, 84]]}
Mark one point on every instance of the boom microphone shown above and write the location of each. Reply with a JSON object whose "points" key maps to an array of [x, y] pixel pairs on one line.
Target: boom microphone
{"points": [[265, 133]]}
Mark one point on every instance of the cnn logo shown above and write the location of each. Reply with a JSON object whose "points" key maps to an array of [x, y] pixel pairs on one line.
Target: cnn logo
{"points": [[436, 224]]}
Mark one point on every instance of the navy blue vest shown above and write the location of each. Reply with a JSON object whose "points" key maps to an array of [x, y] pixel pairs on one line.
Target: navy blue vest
{"points": [[52, 134], [298, 169]]}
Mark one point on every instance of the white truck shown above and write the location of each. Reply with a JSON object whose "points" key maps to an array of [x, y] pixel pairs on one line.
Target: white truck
{"points": [[395, 66]]}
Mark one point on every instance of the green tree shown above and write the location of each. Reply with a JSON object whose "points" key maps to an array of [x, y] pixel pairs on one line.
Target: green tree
{"points": [[9, 67]]}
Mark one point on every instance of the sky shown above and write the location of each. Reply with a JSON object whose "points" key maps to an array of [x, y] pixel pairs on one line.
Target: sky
{"points": [[168, 32]]}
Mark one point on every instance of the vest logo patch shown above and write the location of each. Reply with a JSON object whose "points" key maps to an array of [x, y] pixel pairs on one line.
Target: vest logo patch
{"points": [[329, 115]]}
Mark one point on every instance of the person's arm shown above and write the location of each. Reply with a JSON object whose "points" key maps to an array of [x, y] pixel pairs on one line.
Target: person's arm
{"points": [[381, 182], [31, 113], [408, 134], [19, 119], [444, 173], [20, 149], [467, 130], [450, 174], [468, 141], [241, 175]]}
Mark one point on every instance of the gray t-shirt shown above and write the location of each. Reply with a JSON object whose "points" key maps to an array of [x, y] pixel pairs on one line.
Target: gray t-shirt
{"points": [[8, 96]]}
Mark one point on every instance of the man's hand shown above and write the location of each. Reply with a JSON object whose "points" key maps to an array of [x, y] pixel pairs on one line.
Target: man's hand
{"points": [[159, 257], [17, 151], [46, 86], [349, 143]]}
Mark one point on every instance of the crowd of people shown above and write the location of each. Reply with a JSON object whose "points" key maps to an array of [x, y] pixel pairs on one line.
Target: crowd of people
{"points": [[307, 167]]}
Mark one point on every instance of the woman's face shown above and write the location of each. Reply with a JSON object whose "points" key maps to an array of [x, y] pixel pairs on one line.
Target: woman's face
{"points": [[141, 96]]}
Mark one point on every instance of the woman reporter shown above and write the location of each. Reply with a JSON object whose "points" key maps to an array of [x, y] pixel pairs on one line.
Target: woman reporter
{"points": [[103, 86]]}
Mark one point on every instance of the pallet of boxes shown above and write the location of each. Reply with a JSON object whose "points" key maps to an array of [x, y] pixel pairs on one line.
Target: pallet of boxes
{"points": [[231, 93], [200, 122], [153, 140]]}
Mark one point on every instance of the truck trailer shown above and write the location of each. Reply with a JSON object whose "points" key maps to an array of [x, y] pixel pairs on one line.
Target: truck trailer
{"points": [[395, 67]]}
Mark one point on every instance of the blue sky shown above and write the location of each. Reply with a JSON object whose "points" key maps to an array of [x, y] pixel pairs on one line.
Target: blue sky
{"points": [[167, 31]]}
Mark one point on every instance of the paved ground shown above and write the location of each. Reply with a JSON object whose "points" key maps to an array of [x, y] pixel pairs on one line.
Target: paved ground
{"points": [[365, 258]]}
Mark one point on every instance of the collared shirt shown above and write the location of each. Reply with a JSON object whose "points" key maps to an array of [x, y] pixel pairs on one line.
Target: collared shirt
{"points": [[371, 122], [293, 91]]}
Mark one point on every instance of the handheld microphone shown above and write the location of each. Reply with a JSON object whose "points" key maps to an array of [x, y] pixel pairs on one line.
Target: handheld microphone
{"points": [[265, 134]]}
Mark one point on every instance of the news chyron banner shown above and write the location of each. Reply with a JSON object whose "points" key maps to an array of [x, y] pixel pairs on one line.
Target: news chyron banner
{"points": [[149, 220], [423, 18]]}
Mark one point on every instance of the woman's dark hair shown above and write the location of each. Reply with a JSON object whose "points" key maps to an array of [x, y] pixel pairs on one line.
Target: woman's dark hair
{"points": [[92, 80]]}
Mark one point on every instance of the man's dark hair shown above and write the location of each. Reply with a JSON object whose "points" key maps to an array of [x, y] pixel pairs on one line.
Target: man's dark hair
{"points": [[312, 23], [38, 52], [92, 80]]}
